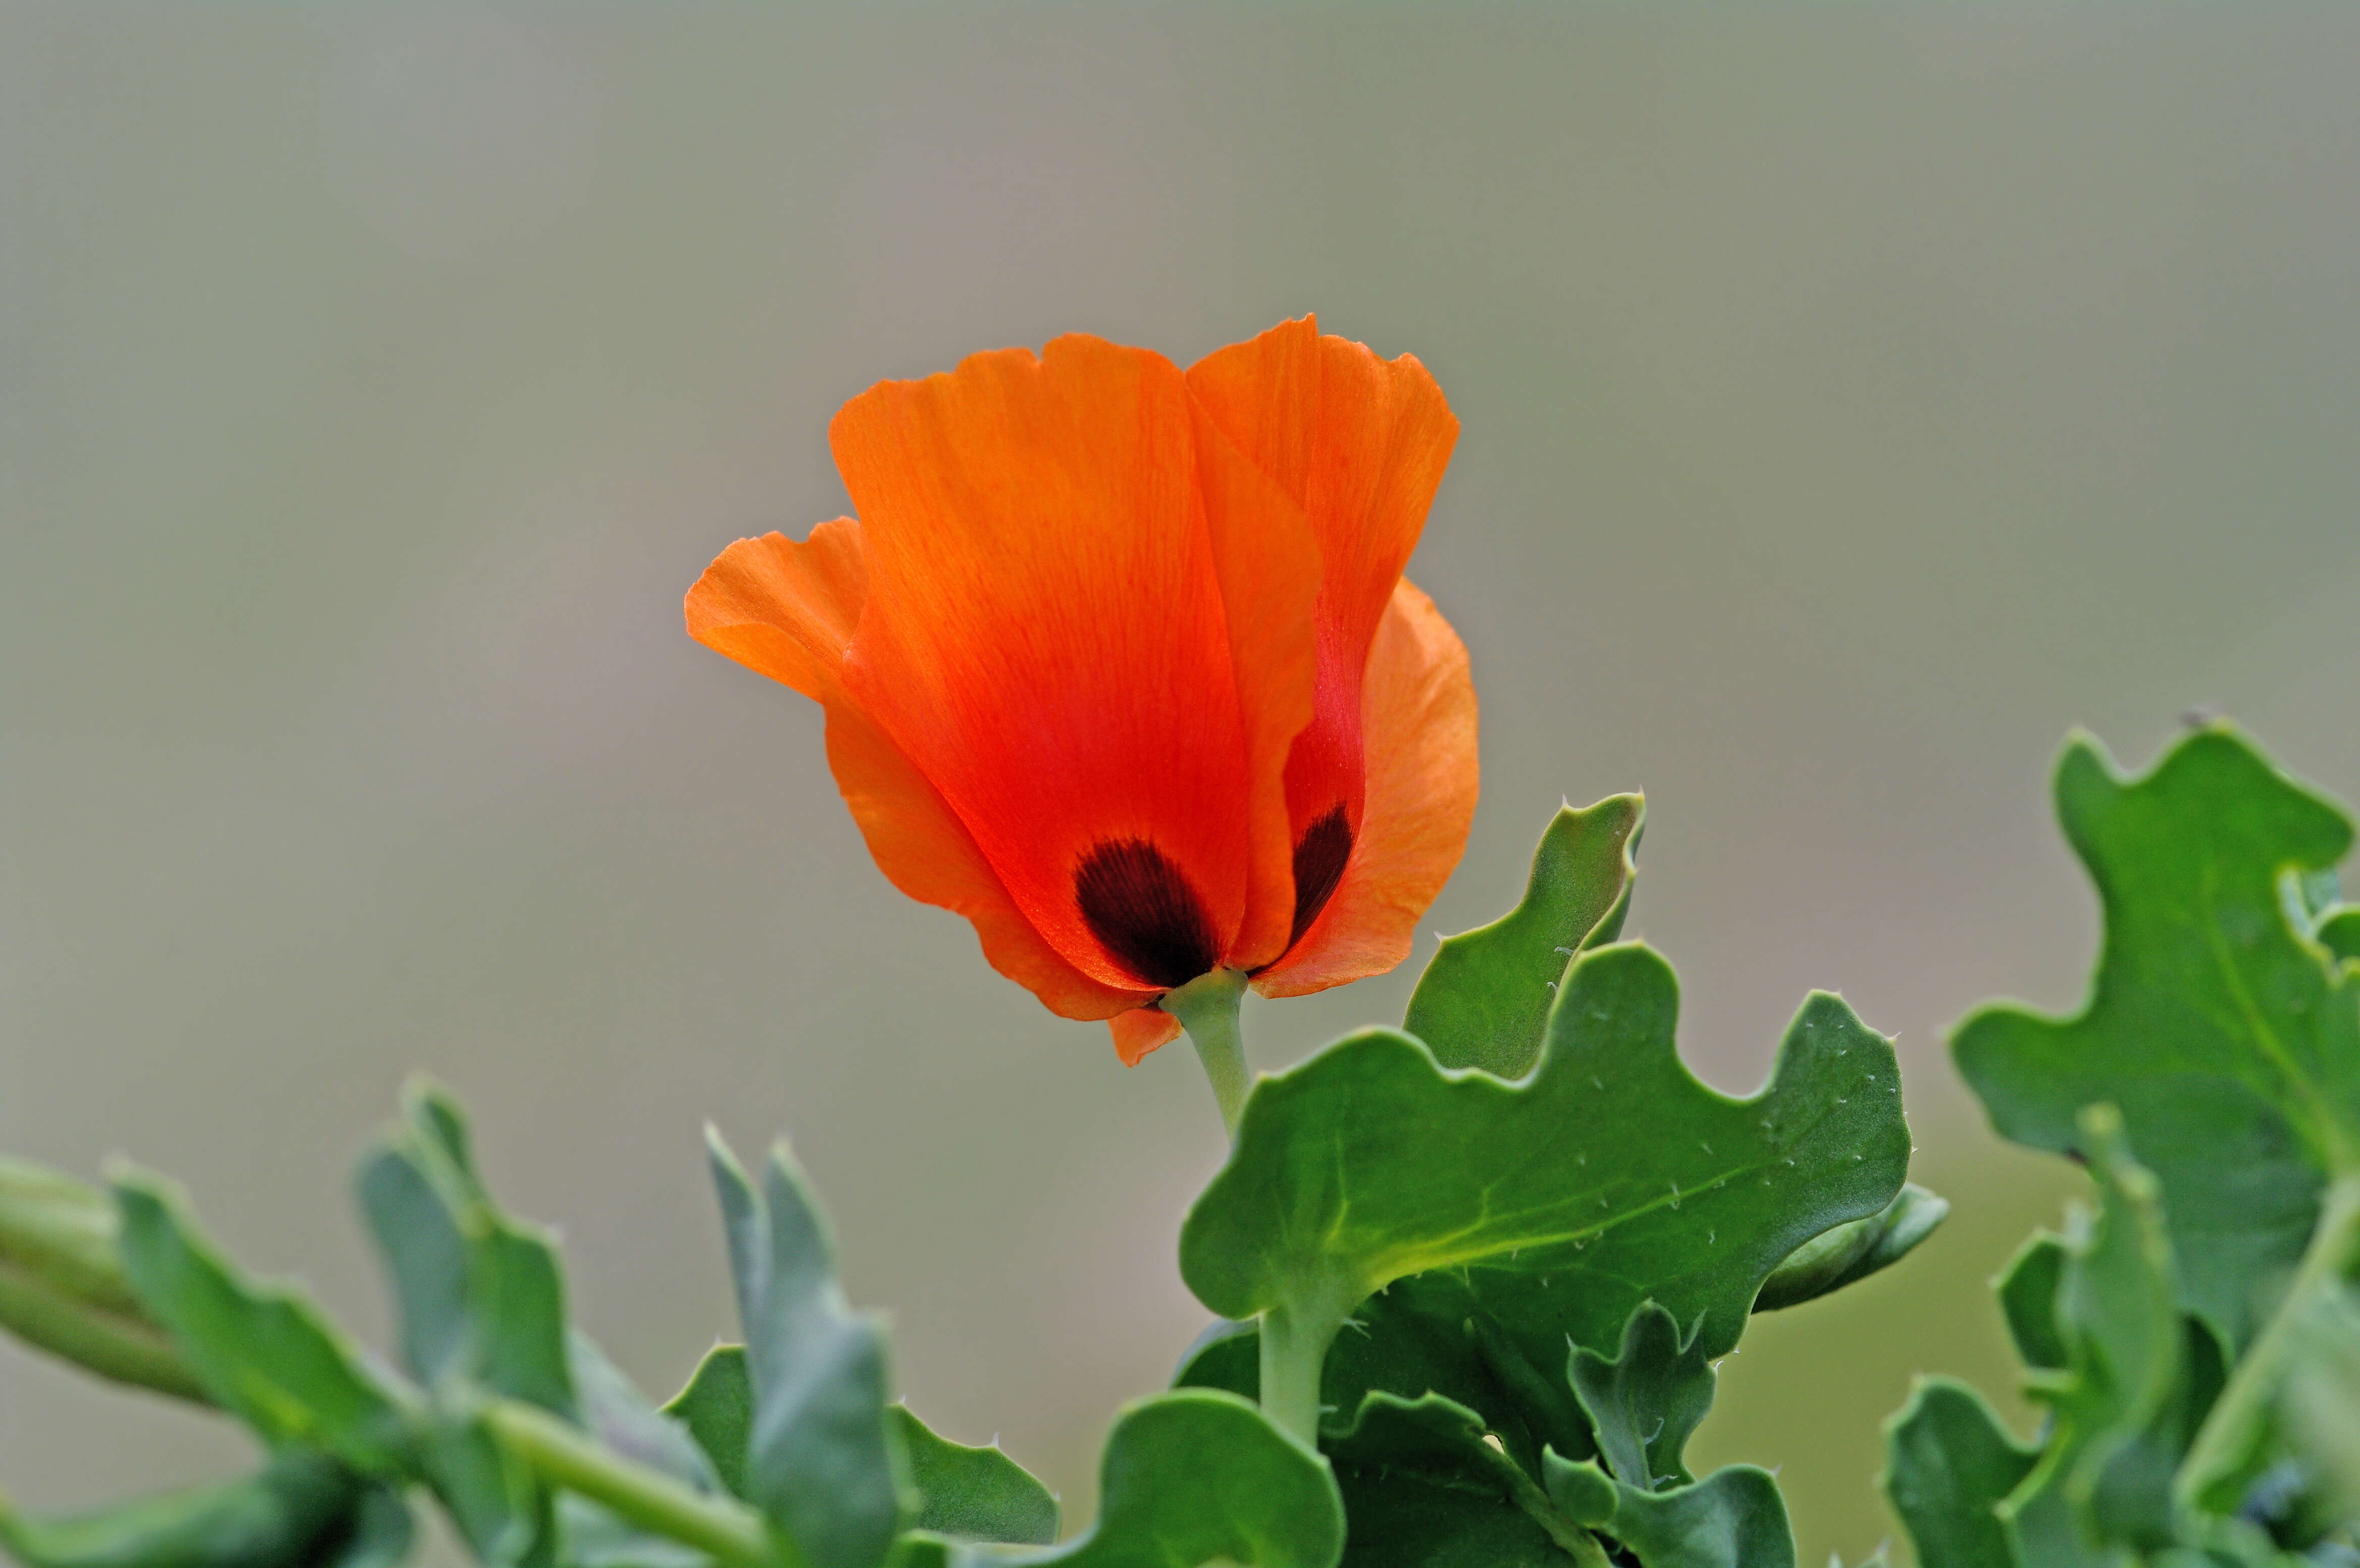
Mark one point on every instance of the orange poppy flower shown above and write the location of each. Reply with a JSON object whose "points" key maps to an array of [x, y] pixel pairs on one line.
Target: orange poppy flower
{"points": [[1119, 662]]}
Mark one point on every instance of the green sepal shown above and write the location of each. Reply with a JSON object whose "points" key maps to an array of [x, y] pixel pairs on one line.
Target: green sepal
{"points": [[1191, 1477], [302, 1511], [824, 1458], [2027, 1299], [1734, 1518], [1949, 1465], [2218, 1024], [975, 1494], [263, 1352], [717, 1406], [1851, 1252], [1644, 1402], [1609, 1177], [1485, 996], [481, 1295], [62, 1288]]}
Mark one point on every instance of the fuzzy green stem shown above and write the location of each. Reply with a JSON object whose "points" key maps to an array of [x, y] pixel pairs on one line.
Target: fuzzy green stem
{"points": [[564, 1456], [1207, 1008], [2234, 1437], [1294, 1341]]}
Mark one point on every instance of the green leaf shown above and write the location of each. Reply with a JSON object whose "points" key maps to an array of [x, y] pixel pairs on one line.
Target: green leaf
{"points": [[481, 1296], [717, 1408], [2027, 1299], [2321, 1408], [975, 1494], [1733, 1518], [1484, 999], [1190, 1477], [62, 1288], [493, 1495], [1644, 1404], [1609, 1177], [303, 1510], [263, 1352], [823, 1459], [1425, 1481], [2338, 933], [2120, 1410], [2221, 1029], [1851, 1252], [622, 1418], [1949, 1465]]}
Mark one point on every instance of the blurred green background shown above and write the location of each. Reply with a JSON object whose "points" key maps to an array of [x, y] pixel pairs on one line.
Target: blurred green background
{"points": [[1854, 398]]}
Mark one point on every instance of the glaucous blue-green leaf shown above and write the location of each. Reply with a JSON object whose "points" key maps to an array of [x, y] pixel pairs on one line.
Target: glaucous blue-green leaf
{"points": [[1645, 1401], [1190, 1477], [975, 1494], [1734, 1518], [302, 1511], [1484, 999], [823, 1459], [481, 1296], [1609, 1177], [1949, 1465], [2226, 1034], [1851, 1252], [62, 1288], [717, 1406], [493, 1495], [614, 1411], [264, 1351]]}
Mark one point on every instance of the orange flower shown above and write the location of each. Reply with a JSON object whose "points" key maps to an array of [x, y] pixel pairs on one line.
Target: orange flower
{"points": [[1119, 661]]}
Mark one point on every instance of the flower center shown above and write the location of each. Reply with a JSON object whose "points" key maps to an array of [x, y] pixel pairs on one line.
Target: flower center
{"points": [[1319, 858], [1138, 905]]}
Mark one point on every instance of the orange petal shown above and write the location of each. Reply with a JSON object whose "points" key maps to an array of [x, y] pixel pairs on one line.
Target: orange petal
{"points": [[1046, 640], [1359, 443], [1270, 573], [1417, 718], [1141, 1030], [784, 609], [787, 611]]}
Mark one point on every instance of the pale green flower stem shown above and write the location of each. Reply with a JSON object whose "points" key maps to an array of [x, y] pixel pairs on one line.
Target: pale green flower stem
{"points": [[1207, 1008], [562, 1454], [1295, 1340]]}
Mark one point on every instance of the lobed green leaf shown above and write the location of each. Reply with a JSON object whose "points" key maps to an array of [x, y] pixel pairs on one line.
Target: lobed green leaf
{"points": [[1485, 996], [1609, 1177], [2218, 1022], [1188, 1477], [824, 1457]]}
